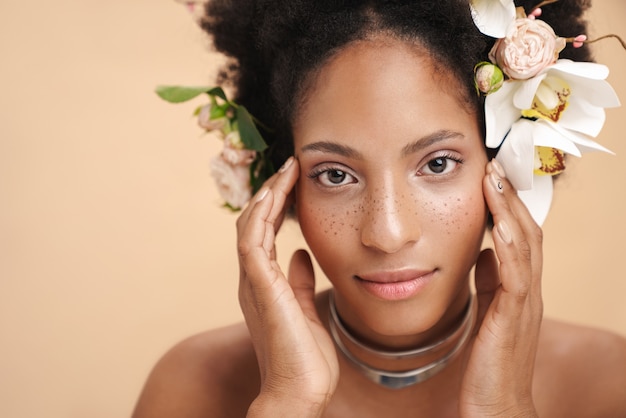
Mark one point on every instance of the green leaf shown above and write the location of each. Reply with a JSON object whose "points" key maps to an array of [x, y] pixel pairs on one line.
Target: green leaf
{"points": [[179, 94], [217, 91], [250, 135], [219, 111]]}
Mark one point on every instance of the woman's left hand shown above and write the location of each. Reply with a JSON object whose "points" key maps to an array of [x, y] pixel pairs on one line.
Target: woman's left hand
{"points": [[499, 374]]}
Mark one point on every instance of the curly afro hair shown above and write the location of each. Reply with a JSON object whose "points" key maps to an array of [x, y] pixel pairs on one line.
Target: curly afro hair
{"points": [[275, 46]]}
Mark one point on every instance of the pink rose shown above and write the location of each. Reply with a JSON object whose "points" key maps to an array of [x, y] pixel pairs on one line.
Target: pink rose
{"points": [[530, 46], [233, 182], [233, 151]]}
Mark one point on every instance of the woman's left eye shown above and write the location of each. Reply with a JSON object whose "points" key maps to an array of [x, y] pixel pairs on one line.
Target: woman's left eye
{"points": [[333, 177], [440, 165]]}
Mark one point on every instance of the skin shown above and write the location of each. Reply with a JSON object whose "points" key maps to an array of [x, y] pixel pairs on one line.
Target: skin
{"points": [[392, 211], [387, 210]]}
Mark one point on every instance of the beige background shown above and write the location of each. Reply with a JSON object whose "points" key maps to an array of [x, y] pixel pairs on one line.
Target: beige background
{"points": [[112, 243]]}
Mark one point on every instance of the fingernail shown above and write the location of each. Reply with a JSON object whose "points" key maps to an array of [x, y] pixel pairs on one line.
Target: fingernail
{"points": [[496, 183], [504, 232], [262, 194], [286, 165], [498, 168]]}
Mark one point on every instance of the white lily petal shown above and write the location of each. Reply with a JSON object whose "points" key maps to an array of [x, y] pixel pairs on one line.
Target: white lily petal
{"points": [[539, 199], [592, 146], [544, 135], [582, 141], [492, 17], [517, 155], [500, 114], [581, 69], [597, 92], [526, 91], [581, 116]]}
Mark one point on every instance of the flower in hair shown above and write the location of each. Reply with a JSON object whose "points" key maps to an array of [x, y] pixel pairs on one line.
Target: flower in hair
{"points": [[559, 111], [242, 166], [492, 17], [545, 108], [488, 77], [530, 45]]}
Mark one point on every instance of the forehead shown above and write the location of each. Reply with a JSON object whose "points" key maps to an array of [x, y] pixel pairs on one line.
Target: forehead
{"points": [[377, 86]]}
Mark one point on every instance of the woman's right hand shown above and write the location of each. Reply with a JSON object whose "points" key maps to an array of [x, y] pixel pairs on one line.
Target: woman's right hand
{"points": [[297, 359]]}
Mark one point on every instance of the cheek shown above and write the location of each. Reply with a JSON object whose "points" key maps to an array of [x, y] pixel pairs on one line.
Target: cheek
{"points": [[328, 228], [460, 212]]}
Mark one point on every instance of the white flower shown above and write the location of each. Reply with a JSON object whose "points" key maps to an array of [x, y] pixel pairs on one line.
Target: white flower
{"points": [[566, 102], [492, 17], [573, 95], [529, 46], [233, 182]]}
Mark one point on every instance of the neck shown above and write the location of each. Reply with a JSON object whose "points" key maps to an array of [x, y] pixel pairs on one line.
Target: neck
{"points": [[401, 368]]}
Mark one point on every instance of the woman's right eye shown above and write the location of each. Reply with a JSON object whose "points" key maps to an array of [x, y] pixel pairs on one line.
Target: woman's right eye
{"points": [[333, 177]]}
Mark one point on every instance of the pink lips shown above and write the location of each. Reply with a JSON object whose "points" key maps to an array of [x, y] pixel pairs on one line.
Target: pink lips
{"points": [[395, 285]]}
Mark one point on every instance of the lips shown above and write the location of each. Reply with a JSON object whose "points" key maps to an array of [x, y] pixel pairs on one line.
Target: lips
{"points": [[395, 285], [393, 276]]}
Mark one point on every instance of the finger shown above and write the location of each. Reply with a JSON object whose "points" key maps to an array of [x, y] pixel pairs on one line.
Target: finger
{"points": [[531, 230], [279, 195], [252, 247], [302, 281], [282, 187], [511, 244], [282, 191], [487, 279]]}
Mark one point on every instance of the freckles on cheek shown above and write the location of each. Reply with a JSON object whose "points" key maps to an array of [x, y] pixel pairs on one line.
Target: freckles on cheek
{"points": [[323, 223], [453, 213]]}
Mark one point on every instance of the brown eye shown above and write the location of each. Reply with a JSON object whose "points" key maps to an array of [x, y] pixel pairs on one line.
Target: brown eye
{"points": [[333, 177], [438, 165], [336, 176]]}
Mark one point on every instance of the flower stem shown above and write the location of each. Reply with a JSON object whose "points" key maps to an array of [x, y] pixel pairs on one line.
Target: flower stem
{"points": [[543, 3], [610, 35]]}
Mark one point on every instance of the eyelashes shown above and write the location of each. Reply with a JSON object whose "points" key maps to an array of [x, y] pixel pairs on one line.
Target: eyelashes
{"points": [[441, 164], [333, 175]]}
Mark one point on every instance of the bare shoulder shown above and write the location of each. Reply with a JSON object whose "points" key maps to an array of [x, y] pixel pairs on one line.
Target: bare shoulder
{"points": [[214, 374], [580, 371]]}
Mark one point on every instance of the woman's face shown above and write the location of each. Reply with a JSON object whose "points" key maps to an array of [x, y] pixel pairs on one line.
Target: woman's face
{"points": [[389, 197]]}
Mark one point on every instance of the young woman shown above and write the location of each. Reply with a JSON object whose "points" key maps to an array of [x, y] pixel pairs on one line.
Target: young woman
{"points": [[393, 189]]}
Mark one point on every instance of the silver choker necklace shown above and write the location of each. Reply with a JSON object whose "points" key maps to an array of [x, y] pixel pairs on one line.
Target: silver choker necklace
{"points": [[402, 379]]}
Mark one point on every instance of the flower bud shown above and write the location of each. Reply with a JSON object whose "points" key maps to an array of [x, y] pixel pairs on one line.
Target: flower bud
{"points": [[488, 77], [211, 118]]}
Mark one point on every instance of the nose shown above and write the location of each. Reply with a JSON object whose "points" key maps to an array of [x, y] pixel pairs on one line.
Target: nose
{"points": [[390, 221]]}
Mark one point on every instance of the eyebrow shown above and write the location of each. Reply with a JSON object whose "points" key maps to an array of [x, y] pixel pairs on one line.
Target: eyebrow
{"points": [[413, 147], [333, 148], [429, 140]]}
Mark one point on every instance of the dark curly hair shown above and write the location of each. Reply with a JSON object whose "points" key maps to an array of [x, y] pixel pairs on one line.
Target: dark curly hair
{"points": [[276, 46]]}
